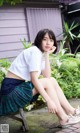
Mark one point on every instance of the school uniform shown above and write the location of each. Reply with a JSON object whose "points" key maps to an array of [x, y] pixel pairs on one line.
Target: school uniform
{"points": [[15, 93]]}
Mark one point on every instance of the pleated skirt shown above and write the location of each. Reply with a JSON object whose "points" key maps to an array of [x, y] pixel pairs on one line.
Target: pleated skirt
{"points": [[15, 94]]}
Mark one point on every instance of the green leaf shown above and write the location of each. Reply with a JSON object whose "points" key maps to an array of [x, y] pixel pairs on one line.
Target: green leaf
{"points": [[73, 26], [26, 44], [12, 2], [78, 35], [1, 2]]}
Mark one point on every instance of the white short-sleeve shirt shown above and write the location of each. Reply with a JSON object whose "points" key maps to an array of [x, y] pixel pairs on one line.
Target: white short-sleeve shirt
{"points": [[28, 60]]}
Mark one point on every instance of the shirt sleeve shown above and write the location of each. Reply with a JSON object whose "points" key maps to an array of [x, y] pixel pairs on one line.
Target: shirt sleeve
{"points": [[34, 61]]}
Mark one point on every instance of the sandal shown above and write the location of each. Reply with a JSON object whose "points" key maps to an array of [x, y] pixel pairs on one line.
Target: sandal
{"points": [[71, 121]]}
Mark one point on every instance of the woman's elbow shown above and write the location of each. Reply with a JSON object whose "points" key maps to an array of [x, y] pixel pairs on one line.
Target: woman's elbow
{"points": [[48, 76]]}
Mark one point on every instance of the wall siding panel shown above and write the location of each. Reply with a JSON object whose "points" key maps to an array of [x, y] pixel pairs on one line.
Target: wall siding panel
{"points": [[14, 38], [10, 54], [11, 46], [11, 10], [11, 16], [13, 29], [12, 23]]}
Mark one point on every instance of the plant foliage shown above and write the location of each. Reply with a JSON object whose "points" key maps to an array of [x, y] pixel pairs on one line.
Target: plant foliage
{"points": [[4, 64], [25, 44], [68, 35], [11, 2], [66, 69]]}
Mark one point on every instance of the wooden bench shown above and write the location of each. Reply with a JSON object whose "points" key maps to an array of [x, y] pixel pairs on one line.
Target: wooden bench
{"points": [[22, 119]]}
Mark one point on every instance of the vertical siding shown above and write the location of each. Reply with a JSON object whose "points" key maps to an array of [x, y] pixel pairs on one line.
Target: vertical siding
{"points": [[12, 29], [39, 18]]}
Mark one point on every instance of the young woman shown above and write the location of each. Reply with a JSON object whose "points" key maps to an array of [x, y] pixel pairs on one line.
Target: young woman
{"points": [[30, 63]]}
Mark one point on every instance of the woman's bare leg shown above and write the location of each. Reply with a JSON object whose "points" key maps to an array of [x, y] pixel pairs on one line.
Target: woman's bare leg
{"points": [[52, 93], [63, 101]]}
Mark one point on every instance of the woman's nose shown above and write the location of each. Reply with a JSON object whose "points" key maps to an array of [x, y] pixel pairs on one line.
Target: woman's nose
{"points": [[48, 42]]}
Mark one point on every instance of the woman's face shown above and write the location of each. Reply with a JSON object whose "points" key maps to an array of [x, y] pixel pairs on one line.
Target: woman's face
{"points": [[47, 43]]}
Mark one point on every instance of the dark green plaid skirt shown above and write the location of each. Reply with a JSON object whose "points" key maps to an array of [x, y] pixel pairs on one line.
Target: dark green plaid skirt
{"points": [[15, 94]]}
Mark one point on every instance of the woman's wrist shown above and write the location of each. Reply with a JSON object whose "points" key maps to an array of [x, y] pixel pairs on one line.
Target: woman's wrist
{"points": [[46, 54]]}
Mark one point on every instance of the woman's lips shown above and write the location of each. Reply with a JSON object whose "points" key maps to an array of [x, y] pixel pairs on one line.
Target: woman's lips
{"points": [[47, 47]]}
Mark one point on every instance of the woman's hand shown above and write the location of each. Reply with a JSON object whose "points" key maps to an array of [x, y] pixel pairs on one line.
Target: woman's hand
{"points": [[51, 107], [52, 49]]}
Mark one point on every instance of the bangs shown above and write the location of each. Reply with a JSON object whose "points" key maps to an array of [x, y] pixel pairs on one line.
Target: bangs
{"points": [[50, 36]]}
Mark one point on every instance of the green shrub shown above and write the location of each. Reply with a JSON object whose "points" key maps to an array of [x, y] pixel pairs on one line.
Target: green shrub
{"points": [[4, 64], [67, 74]]}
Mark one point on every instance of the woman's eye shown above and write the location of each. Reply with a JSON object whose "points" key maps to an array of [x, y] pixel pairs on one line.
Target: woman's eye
{"points": [[44, 39], [51, 40]]}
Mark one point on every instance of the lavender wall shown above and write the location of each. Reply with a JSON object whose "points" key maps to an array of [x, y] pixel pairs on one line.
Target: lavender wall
{"points": [[15, 25], [12, 29], [39, 18]]}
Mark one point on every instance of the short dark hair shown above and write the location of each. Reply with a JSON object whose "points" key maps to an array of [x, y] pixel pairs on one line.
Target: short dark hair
{"points": [[40, 35]]}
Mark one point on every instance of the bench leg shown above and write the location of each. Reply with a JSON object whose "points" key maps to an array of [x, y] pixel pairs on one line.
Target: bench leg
{"points": [[24, 123]]}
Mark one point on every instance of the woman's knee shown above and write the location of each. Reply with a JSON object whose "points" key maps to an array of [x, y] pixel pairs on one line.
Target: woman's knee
{"points": [[45, 81], [53, 79]]}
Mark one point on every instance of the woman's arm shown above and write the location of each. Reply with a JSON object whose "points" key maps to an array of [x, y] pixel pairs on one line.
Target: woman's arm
{"points": [[47, 71], [38, 86]]}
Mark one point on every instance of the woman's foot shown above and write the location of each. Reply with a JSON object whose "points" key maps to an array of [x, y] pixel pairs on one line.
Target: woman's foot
{"points": [[70, 121], [77, 111]]}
